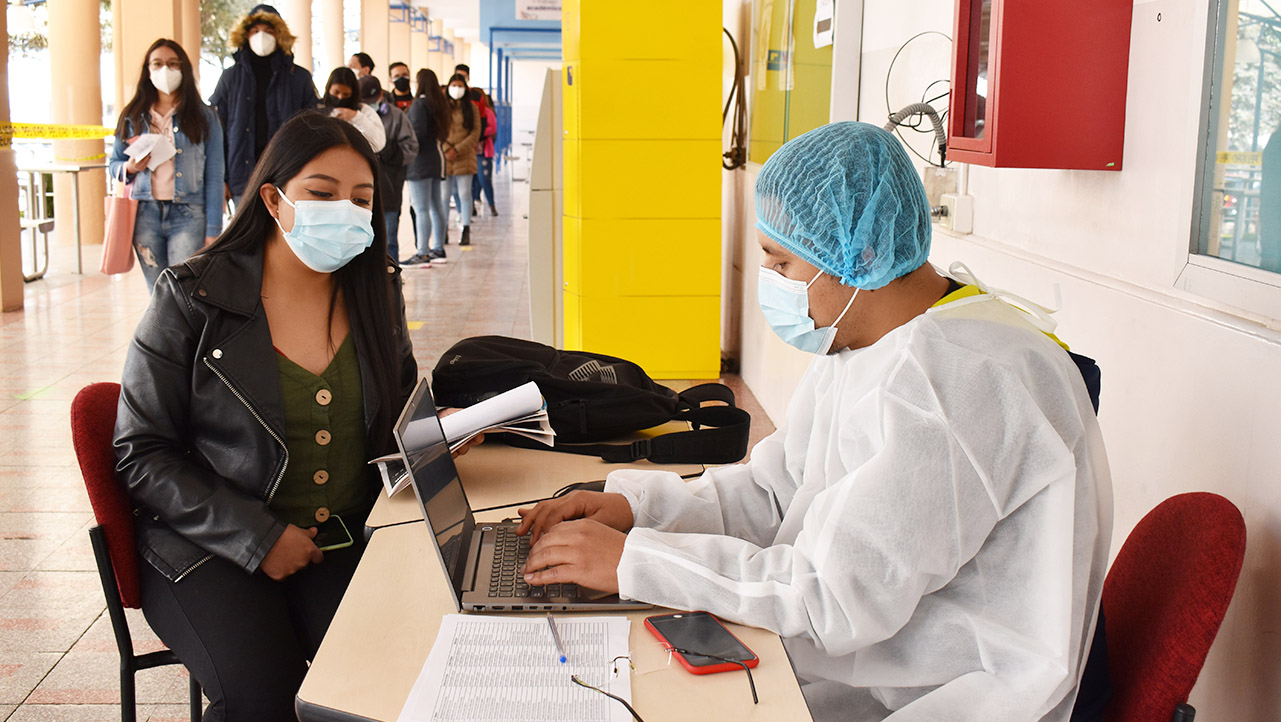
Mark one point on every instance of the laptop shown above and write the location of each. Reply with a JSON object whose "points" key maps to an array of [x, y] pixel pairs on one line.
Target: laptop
{"points": [[482, 561]]}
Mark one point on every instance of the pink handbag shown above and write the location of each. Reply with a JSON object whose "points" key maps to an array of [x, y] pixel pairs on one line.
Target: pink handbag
{"points": [[117, 240]]}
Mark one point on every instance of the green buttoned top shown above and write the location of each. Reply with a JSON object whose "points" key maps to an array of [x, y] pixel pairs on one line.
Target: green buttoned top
{"points": [[325, 434]]}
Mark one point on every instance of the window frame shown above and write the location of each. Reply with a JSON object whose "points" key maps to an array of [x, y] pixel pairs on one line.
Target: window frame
{"points": [[1246, 287]]}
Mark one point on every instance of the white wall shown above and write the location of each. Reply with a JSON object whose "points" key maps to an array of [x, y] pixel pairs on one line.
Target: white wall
{"points": [[527, 93], [1191, 390]]}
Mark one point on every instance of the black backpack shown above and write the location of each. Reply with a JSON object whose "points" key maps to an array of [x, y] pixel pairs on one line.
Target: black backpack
{"points": [[593, 398]]}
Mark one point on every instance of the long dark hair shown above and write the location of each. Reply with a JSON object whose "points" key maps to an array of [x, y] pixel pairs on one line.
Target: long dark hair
{"points": [[468, 105], [190, 111], [364, 281], [347, 77], [431, 94]]}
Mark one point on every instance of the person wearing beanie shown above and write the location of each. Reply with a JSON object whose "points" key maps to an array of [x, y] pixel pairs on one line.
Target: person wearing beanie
{"points": [[259, 92]]}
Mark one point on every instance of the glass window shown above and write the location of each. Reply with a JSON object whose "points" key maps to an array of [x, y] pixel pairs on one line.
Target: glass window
{"points": [[1240, 198], [791, 75]]}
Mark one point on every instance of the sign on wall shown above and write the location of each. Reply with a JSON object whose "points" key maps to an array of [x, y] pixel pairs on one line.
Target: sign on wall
{"points": [[538, 10]]}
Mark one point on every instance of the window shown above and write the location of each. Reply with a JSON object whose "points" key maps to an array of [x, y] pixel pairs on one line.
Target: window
{"points": [[791, 75], [1239, 214]]}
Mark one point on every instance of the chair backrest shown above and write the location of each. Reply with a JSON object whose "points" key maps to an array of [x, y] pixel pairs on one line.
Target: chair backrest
{"points": [[1165, 598], [93, 423]]}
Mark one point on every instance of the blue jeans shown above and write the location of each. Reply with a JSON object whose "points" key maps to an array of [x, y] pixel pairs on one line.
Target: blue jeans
{"points": [[484, 179], [460, 189], [392, 220], [166, 233], [431, 213]]}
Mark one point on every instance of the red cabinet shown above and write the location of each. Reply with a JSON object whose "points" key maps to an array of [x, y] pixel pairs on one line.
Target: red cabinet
{"points": [[1039, 83]]}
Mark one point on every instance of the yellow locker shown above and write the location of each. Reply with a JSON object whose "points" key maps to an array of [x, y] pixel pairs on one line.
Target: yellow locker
{"points": [[641, 99], [642, 257], [655, 30], [671, 337], [642, 178]]}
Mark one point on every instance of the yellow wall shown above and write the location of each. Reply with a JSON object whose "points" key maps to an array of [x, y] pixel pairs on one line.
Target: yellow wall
{"points": [[642, 183]]}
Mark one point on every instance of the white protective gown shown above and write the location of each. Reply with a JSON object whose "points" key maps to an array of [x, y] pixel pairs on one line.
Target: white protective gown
{"points": [[928, 531]]}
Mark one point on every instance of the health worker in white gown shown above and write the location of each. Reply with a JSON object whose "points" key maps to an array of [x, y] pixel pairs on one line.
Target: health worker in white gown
{"points": [[929, 529]]}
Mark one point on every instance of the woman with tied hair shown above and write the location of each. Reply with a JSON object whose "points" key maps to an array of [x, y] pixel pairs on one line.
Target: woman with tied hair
{"points": [[179, 200], [342, 100], [263, 375], [429, 117], [928, 530]]}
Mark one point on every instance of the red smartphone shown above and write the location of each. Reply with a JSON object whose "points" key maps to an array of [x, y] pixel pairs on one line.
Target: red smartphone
{"points": [[701, 632]]}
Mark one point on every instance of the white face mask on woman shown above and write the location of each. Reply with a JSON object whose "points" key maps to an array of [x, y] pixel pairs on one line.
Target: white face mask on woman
{"points": [[166, 79], [457, 92]]}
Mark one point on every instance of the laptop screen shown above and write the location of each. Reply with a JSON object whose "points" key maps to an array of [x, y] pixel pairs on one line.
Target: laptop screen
{"points": [[435, 480]]}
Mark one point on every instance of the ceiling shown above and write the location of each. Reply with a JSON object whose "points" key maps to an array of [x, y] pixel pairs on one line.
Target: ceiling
{"points": [[461, 16]]}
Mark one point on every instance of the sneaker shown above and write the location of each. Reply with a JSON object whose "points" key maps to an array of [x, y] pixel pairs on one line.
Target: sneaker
{"points": [[418, 260], [437, 257], [466, 238], [492, 210]]}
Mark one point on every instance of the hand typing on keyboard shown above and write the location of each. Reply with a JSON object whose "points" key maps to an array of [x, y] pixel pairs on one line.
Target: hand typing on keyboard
{"points": [[582, 551]]}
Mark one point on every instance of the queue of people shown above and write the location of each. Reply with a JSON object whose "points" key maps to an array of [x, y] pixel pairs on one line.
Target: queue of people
{"points": [[181, 201]]}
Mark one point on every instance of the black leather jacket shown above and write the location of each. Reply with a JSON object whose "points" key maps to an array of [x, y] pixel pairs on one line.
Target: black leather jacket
{"points": [[200, 427]]}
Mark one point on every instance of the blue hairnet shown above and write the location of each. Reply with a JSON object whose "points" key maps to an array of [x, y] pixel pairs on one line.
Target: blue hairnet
{"points": [[846, 199]]}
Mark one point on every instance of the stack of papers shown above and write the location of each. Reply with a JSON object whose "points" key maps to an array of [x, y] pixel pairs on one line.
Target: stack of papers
{"points": [[153, 144], [489, 668], [521, 410]]}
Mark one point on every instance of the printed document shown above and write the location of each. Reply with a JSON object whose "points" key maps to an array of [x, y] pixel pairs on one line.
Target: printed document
{"points": [[508, 668]]}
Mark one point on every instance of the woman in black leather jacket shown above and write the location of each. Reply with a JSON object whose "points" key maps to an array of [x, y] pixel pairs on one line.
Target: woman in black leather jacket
{"points": [[265, 372]]}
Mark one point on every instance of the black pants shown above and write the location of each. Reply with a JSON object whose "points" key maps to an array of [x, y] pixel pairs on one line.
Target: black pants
{"points": [[246, 638]]}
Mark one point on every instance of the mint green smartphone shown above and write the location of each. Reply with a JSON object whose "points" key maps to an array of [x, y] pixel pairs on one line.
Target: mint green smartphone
{"points": [[332, 534]]}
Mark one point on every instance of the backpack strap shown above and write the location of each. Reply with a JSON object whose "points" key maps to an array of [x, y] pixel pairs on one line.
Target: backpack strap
{"points": [[724, 441]]}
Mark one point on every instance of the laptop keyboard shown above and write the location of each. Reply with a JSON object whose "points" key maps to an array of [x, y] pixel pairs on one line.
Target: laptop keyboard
{"points": [[505, 578]]}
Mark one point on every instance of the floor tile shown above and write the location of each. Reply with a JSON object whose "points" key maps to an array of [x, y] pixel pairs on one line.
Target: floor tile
{"points": [[21, 672]]}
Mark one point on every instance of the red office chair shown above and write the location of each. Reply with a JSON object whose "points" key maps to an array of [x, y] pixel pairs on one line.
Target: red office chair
{"points": [[1164, 599], [93, 421]]}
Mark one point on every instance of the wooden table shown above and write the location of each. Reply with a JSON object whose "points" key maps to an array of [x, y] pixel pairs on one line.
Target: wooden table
{"points": [[389, 618], [495, 473]]}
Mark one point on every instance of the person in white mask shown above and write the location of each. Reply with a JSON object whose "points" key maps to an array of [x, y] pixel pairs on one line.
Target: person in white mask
{"points": [[928, 529], [260, 92], [177, 177]]}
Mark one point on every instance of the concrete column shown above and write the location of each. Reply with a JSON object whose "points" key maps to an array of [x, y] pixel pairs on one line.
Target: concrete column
{"points": [[75, 43], [374, 32], [10, 232], [332, 23], [190, 38], [136, 25], [419, 43], [436, 58], [297, 15], [398, 41], [451, 58]]}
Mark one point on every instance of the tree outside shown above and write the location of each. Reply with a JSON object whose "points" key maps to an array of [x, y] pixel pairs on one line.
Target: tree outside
{"points": [[217, 18]]}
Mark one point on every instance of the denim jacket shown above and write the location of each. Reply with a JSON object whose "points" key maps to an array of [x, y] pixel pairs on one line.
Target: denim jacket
{"points": [[199, 169]]}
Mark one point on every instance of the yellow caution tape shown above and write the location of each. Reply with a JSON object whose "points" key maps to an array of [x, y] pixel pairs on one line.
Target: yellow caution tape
{"points": [[9, 131], [1240, 158]]}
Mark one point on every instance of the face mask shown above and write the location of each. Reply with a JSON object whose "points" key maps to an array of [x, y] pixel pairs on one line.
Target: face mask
{"points": [[328, 234], [348, 102], [401, 84], [262, 43], [786, 305], [166, 79], [457, 92]]}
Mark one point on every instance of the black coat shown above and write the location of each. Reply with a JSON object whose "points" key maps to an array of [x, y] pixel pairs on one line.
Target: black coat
{"points": [[200, 427], [430, 162], [289, 92]]}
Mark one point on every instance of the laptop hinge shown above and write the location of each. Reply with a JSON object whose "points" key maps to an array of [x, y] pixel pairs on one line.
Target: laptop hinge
{"points": [[473, 557]]}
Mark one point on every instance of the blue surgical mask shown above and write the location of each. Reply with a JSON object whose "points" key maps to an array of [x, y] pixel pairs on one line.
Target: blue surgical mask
{"points": [[786, 305], [328, 234]]}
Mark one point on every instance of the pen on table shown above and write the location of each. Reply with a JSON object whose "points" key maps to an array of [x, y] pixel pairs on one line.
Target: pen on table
{"points": [[560, 648]]}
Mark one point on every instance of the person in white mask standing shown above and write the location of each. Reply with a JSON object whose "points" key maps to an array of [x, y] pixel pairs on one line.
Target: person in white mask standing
{"points": [[180, 194], [928, 530], [260, 92]]}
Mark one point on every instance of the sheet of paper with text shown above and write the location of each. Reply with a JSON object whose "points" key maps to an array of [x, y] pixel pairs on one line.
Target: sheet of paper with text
{"points": [[499, 668]]}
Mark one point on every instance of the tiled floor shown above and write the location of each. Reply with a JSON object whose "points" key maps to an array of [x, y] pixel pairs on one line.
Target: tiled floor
{"points": [[58, 658]]}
